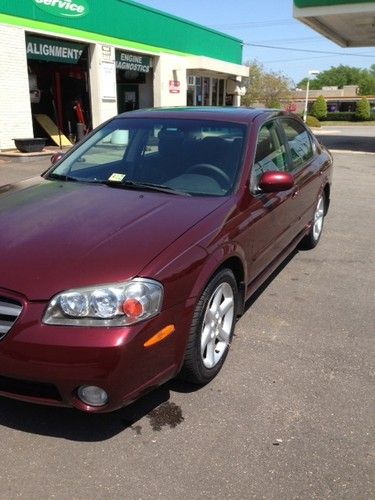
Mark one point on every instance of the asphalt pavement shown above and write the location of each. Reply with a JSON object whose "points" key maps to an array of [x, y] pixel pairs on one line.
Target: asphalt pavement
{"points": [[349, 139], [291, 415]]}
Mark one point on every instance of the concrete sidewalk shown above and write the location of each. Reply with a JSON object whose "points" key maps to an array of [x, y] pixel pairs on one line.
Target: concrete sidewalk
{"points": [[14, 169]]}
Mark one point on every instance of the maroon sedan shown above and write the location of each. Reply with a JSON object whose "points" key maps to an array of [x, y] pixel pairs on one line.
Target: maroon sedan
{"points": [[129, 260]]}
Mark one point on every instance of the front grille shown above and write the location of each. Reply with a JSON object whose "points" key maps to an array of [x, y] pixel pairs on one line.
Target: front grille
{"points": [[29, 389], [9, 312]]}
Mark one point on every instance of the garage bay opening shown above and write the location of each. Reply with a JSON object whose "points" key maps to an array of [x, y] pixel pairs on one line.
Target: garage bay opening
{"points": [[59, 88]]}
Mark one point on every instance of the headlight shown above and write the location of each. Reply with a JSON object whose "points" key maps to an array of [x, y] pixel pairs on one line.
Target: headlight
{"points": [[119, 304]]}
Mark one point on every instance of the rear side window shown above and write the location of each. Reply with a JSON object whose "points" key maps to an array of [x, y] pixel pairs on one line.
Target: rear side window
{"points": [[270, 154], [299, 143]]}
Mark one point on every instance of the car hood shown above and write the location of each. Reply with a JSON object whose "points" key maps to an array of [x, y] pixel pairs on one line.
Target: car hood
{"points": [[60, 235]]}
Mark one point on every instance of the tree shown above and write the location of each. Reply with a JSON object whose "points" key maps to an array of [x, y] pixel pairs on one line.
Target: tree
{"points": [[344, 75], [363, 110], [253, 83], [319, 108], [267, 88]]}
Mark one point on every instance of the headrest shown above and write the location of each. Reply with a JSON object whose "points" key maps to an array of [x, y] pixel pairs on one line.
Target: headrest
{"points": [[170, 141]]}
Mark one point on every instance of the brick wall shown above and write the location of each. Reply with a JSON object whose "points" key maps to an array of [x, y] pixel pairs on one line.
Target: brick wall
{"points": [[15, 109]]}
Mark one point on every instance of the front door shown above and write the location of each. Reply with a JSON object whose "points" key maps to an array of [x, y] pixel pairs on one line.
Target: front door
{"points": [[268, 232], [127, 97]]}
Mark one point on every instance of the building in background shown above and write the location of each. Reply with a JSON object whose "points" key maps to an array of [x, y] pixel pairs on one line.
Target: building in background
{"points": [[338, 100], [83, 61]]}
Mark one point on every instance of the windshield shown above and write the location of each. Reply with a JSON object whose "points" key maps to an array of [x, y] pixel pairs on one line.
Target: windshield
{"points": [[195, 157]]}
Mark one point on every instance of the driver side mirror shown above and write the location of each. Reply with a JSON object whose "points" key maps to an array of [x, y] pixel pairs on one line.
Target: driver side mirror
{"points": [[57, 157], [272, 182]]}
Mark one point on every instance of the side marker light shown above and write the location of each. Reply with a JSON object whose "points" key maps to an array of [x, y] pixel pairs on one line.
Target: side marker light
{"points": [[162, 334]]}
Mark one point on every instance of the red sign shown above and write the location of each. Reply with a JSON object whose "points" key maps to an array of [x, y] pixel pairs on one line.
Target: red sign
{"points": [[174, 86], [291, 107]]}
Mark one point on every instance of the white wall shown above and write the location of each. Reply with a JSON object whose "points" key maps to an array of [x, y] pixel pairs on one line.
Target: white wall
{"points": [[169, 67], [101, 109], [15, 107]]}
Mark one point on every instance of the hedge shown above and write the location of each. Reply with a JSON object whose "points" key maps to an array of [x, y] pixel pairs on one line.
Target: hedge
{"points": [[319, 108], [363, 110], [311, 121], [340, 116]]}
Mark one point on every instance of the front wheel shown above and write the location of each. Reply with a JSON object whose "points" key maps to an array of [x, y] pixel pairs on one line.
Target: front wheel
{"points": [[211, 329], [313, 236]]}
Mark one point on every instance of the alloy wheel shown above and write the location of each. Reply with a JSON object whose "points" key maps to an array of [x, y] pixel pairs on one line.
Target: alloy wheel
{"points": [[217, 325], [318, 218]]}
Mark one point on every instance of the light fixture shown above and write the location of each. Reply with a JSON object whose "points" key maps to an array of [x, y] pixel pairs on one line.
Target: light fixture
{"points": [[311, 73]]}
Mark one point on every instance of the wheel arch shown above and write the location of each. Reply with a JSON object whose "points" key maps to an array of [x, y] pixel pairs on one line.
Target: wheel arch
{"points": [[235, 264]]}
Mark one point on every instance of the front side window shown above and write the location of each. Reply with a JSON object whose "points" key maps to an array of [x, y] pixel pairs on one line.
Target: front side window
{"points": [[270, 154], [196, 157], [299, 143]]}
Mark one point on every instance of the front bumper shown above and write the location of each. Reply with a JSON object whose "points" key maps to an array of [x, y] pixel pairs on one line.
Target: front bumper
{"points": [[46, 364]]}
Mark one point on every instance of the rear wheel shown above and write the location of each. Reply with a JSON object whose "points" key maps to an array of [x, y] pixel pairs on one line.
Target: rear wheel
{"points": [[211, 329], [313, 236]]}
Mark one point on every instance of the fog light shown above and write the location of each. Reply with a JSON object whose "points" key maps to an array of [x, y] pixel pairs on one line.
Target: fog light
{"points": [[92, 395]]}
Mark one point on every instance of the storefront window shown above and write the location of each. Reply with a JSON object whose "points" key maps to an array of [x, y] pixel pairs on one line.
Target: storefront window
{"points": [[205, 91], [190, 97], [198, 91], [215, 93], [221, 93], [190, 100]]}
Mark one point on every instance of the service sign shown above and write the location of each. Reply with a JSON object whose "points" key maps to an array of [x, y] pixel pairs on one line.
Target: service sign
{"points": [[63, 8]]}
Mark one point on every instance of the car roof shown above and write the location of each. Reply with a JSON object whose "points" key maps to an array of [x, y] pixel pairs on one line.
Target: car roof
{"points": [[229, 113]]}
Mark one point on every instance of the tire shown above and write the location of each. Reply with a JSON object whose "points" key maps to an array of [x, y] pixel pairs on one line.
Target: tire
{"points": [[313, 236], [211, 329]]}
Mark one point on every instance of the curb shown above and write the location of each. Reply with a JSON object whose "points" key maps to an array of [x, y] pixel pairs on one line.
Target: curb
{"points": [[351, 152], [318, 131]]}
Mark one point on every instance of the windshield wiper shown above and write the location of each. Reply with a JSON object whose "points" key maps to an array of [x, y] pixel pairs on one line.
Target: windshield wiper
{"points": [[61, 177], [124, 184], [69, 178], [146, 186]]}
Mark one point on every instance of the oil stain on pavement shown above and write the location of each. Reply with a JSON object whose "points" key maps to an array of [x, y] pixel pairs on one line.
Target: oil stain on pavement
{"points": [[167, 414]]}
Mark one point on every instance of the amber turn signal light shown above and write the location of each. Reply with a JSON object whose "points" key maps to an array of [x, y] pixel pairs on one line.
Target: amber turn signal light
{"points": [[162, 334]]}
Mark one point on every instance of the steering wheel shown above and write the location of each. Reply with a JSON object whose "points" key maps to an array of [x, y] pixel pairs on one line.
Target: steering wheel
{"points": [[221, 177]]}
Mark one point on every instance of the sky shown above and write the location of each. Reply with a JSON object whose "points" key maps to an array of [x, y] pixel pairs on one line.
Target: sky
{"points": [[268, 22]]}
